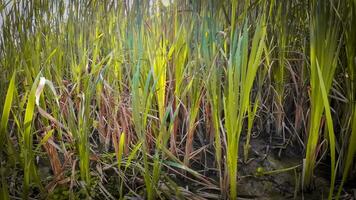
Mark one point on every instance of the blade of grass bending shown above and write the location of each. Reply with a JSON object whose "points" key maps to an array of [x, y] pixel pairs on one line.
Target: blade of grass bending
{"points": [[330, 127], [132, 155], [30, 171]]}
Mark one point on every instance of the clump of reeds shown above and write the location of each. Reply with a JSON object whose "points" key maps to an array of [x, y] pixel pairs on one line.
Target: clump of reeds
{"points": [[158, 94]]}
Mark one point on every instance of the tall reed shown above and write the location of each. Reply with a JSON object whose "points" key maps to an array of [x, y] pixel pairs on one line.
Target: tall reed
{"points": [[5, 143], [168, 88], [241, 72], [350, 42], [324, 49]]}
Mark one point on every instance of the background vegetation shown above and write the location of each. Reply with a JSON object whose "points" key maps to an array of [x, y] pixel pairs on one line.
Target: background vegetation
{"points": [[175, 99]]}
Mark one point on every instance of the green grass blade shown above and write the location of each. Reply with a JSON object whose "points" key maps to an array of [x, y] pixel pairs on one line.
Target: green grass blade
{"points": [[30, 172], [331, 133], [4, 137], [6, 111]]}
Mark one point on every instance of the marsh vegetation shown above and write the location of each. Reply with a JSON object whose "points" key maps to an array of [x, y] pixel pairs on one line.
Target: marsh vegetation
{"points": [[178, 99]]}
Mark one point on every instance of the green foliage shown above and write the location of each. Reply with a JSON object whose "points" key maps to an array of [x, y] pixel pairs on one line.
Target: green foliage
{"points": [[241, 73], [350, 117], [324, 49], [181, 82], [4, 140]]}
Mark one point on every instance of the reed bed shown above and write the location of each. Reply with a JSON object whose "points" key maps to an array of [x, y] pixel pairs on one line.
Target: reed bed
{"points": [[174, 99]]}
